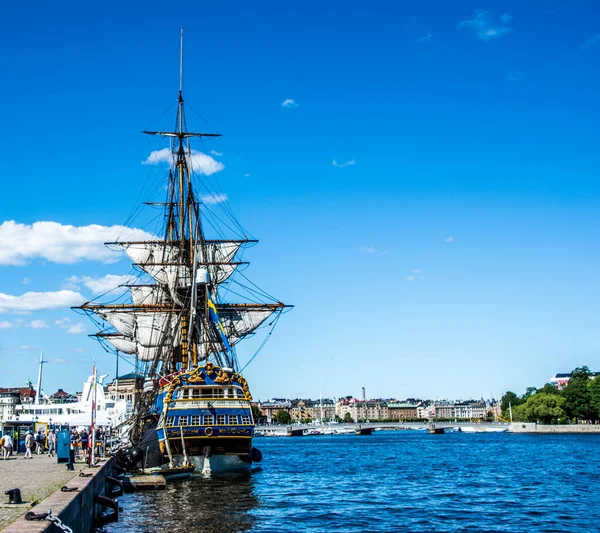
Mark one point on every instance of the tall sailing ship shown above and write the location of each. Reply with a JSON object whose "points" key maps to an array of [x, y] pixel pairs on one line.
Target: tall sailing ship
{"points": [[176, 323]]}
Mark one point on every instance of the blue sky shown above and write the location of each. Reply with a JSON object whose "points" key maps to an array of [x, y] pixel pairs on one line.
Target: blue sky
{"points": [[427, 198]]}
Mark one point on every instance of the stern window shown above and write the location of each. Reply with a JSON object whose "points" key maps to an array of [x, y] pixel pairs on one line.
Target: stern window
{"points": [[195, 420], [233, 419], [209, 420], [220, 420], [246, 420], [170, 421], [183, 420]]}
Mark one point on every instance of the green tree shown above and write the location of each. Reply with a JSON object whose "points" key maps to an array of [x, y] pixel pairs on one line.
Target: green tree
{"points": [[529, 392], [283, 417], [595, 396], [348, 418], [548, 388], [578, 395], [544, 408], [509, 398], [256, 414]]}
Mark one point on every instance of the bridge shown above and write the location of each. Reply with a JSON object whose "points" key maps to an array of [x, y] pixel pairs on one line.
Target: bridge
{"points": [[344, 427]]}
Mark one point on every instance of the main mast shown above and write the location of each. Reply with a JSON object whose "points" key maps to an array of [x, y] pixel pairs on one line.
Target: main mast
{"points": [[178, 321]]}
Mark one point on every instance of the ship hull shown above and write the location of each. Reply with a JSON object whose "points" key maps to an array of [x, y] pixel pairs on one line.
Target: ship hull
{"points": [[219, 464]]}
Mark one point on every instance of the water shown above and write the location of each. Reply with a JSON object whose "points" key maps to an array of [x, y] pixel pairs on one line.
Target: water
{"points": [[406, 481]]}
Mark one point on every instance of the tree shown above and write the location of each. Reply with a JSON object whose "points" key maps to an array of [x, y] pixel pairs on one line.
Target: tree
{"points": [[348, 418], [544, 408], [529, 392], [256, 414], [509, 398], [595, 396], [283, 417], [578, 395], [548, 388]]}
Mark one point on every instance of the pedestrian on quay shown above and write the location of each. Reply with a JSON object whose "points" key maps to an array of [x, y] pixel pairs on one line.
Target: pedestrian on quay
{"points": [[51, 443], [39, 442], [7, 446], [84, 443], [29, 444], [72, 444]]}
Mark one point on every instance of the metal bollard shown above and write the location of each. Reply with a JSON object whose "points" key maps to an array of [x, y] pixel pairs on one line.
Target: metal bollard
{"points": [[14, 496]]}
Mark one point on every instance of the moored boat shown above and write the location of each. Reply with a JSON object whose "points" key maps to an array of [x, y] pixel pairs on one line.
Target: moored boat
{"points": [[176, 325]]}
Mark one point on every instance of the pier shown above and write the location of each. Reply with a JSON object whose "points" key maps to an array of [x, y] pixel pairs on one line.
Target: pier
{"points": [[40, 481]]}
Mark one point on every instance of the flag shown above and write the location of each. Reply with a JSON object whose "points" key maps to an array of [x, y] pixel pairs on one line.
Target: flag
{"points": [[214, 316]]}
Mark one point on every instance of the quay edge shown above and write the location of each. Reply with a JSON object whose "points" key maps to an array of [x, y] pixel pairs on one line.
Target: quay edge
{"points": [[76, 509], [531, 427]]}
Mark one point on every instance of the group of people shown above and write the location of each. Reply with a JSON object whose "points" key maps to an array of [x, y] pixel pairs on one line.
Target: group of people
{"points": [[41, 442], [36, 443]]}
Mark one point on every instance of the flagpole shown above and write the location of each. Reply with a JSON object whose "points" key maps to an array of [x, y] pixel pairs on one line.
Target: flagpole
{"points": [[92, 436]]}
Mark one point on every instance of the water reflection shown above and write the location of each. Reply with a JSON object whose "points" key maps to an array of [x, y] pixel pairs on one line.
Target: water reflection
{"points": [[207, 505]]}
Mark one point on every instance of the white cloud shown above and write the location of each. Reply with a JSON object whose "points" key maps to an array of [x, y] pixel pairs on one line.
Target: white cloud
{"points": [[492, 33], [26, 281], [485, 27], [61, 243], [77, 350], [515, 76], [417, 271], [449, 239], [350, 163], [36, 301], [199, 161], [96, 285], [410, 278], [214, 152], [289, 103], [211, 199], [426, 38], [246, 175], [26, 347], [38, 324], [4, 324], [58, 361], [77, 329], [591, 42], [370, 250]]}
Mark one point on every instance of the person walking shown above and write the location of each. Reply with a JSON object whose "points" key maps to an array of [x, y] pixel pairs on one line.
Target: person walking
{"points": [[29, 444], [84, 436], [51, 443], [7, 446], [39, 442]]}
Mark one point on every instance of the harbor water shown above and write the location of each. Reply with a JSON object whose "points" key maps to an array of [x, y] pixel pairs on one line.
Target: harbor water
{"points": [[406, 481]]}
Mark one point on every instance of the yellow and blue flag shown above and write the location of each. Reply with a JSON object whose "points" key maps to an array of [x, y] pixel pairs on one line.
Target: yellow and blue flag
{"points": [[214, 316]]}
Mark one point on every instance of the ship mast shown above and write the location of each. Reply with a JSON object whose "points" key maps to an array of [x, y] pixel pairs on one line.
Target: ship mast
{"points": [[177, 321]]}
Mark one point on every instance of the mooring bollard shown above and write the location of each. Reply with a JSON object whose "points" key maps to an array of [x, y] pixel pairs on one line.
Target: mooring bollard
{"points": [[14, 496]]}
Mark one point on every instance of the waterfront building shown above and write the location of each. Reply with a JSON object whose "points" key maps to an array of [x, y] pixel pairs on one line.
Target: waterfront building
{"points": [[310, 410], [125, 387], [8, 402], [361, 410], [403, 410], [270, 408], [443, 409], [562, 380], [60, 396], [470, 409]]}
